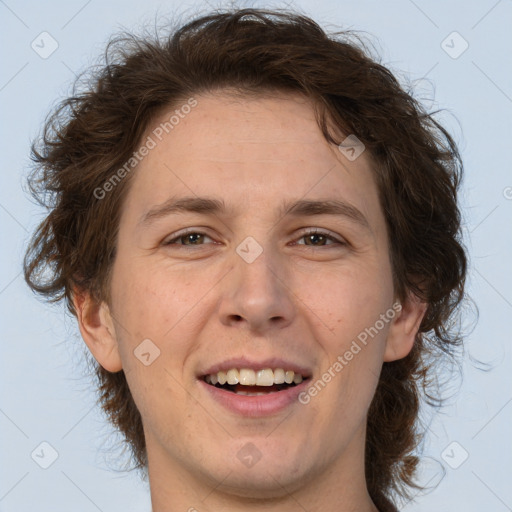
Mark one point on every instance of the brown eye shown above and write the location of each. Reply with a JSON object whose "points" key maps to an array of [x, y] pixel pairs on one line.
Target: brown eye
{"points": [[319, 239], [315, 238], [191, 238]]}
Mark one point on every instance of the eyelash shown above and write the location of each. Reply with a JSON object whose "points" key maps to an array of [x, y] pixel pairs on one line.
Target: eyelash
{"points": [[315, 231]]}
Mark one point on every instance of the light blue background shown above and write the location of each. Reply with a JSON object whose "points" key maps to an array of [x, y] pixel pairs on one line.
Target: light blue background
{"points": [[44, 396]]}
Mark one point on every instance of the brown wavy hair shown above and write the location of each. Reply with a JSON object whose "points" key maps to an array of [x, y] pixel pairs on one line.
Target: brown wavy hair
{"points": [[418, 170]]}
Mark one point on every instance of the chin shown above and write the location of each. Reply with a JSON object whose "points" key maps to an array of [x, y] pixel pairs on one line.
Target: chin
{"points": [[264, 472], [262, 483]]}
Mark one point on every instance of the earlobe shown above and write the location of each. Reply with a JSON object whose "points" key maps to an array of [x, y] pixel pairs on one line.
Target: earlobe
{"points": [[98, 331], [404, 327]]}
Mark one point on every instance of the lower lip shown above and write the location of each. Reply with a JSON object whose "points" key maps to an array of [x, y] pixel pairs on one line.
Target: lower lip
{"points": [[258, 405]]}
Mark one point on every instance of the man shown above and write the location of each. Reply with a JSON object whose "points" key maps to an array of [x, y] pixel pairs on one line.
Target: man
{"points": [[257, 230]]}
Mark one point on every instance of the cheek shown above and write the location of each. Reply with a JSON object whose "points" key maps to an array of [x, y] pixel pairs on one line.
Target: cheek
{"points": [[151, 302], [152, 313], [348, 301], [158, 316], [350, 371], [354, 345]]}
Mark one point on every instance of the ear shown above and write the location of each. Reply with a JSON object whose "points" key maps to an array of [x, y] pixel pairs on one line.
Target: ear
{"points": [[404, 327], [97, 329]]}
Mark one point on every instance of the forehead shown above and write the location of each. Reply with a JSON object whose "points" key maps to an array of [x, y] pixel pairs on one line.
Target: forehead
{"points": [[262, 127], [253, 152]]}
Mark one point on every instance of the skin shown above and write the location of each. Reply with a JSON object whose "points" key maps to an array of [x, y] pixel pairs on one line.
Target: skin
{"points": [[200, 303]]}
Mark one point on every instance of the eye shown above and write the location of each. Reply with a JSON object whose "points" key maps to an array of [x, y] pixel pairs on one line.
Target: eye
{"points": [[316, 235], [194, 237]]}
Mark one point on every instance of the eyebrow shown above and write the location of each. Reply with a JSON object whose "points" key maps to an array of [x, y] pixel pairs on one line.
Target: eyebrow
{"points": [[299, 208]]}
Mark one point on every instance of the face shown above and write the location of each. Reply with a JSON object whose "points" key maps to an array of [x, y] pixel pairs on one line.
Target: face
{"points": [[254, 278]]}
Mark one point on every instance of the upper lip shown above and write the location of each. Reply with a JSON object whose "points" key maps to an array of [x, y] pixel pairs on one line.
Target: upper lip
{"points": [[243, 362]]}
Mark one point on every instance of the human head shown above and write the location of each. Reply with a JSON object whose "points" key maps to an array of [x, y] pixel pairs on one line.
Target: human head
{"points": [[253, 53]]}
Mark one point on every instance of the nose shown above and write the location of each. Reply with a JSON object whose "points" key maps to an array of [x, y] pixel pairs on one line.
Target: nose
{"points": [[257, 295]]}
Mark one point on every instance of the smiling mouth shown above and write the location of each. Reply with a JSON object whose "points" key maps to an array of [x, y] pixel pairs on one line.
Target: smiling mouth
{"points": [[254, 383]]}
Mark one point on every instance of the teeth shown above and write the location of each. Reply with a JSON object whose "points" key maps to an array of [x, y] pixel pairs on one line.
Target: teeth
{"points": [[247, 377], [279, 376], [297, 378], [265, 377], [233, 377]]}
